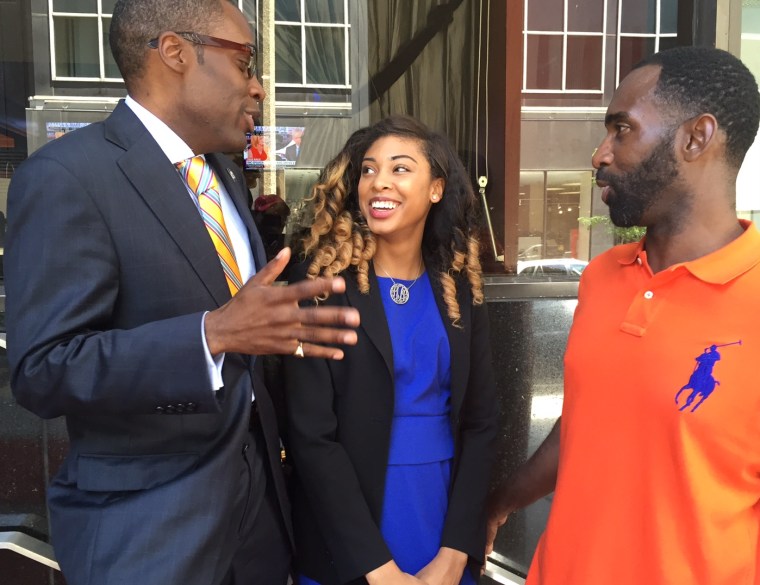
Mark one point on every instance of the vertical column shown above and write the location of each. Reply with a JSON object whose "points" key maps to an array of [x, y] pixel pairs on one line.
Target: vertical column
{"points": [[505, 97], [269, 114]]}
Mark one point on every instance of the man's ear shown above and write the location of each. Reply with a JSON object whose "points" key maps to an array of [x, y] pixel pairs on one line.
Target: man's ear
{"points": [[701, 133], [174, 51]]}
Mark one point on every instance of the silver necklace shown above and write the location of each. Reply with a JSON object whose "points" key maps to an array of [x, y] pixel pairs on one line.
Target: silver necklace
{"points": [[399, 292]]}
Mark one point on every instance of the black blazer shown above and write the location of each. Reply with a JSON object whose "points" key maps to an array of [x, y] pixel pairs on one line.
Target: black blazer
{"points": [[340, 414], [109, 271]]}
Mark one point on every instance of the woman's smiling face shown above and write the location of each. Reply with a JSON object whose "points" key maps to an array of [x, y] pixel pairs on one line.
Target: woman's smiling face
{"points": [[396, 188]]}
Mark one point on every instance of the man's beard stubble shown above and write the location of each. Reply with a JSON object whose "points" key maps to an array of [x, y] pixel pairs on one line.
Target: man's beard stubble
{"points": [[633, 193]]}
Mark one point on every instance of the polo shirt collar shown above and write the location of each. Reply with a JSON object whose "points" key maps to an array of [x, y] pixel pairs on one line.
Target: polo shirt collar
{"points": [[719, 267]]}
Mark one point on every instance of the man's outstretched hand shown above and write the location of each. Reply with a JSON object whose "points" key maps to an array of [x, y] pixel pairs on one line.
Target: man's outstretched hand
{"points": [[265, 319]]}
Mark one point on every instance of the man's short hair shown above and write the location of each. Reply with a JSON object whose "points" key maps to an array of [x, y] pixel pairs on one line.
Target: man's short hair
{"points": [[135, 22], [705, 80]]}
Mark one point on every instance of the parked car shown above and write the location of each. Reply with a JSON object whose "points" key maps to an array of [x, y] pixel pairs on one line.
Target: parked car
{"points": [[534, 252], [552, 268]]}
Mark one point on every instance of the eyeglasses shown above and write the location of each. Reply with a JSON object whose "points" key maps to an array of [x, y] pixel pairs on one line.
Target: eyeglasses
{"points": [[200, 39]]}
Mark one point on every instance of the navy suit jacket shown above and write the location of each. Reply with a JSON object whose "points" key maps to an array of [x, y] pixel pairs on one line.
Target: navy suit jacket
{"points": [[109, 271], [340, 416]]}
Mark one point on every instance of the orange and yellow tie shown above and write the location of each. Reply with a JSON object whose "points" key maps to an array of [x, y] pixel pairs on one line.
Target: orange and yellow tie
{"points": [[201, 179]]}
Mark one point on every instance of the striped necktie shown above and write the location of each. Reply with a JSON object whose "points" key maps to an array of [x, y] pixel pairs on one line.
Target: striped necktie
{"points": [[202, 181]]}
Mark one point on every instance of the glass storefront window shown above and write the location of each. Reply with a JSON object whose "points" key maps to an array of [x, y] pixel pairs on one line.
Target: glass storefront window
{"points": [[337, 65], [551, 241]]}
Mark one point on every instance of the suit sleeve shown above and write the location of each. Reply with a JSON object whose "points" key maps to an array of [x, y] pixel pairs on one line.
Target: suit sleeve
{"points": [[62, 287], [464, 529], [325, 470]]}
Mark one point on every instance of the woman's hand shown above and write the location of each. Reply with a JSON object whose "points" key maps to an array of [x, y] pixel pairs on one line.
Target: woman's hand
{"points": [[446, 568], [390, 574]]}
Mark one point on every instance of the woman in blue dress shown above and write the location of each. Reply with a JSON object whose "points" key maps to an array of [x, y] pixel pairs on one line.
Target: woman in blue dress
{"points": [[392, 446]]}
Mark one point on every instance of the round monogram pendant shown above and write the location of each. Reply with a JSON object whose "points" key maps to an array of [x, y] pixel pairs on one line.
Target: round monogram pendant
{"points": [[399, 294]]}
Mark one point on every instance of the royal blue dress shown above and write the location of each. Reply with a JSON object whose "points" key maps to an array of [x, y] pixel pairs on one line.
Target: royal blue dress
{"points": [[422, 446]]}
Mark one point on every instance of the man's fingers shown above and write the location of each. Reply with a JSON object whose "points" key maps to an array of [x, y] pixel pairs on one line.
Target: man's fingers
{"points": [[321, 316], [327, 335], [311, 350], [273, 269], [308, 289]]}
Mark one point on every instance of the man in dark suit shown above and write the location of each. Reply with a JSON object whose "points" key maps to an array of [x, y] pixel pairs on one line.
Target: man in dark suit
{"points": [[121, 317], [293, 150]]}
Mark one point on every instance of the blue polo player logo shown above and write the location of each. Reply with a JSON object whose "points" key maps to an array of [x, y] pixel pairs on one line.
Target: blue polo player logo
{"points": [[702, 383]]}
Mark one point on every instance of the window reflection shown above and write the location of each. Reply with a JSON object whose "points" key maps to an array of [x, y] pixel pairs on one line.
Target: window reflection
{"points": [[544, 62], [668, 16], [545, 15], [76, 47], [586, 16], [288, 10], [75, 6], [288, 62], [638, 17], [324, 11], [329, 44], [552, 245], [584, 63]]}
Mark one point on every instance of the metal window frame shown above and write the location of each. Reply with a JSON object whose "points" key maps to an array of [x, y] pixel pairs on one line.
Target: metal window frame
{"points": [[99, 16], [303, 25], [656, 35], [564, 33]]}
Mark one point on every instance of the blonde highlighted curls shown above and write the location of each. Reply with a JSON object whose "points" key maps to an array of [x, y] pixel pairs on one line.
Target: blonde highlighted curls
{"points": [[339, 238], [469, 264]]}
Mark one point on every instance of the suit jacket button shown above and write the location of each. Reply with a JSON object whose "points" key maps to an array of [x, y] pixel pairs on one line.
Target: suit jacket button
{"points": [[170, 409], [160, 410], [180, 407], [191, 407]]}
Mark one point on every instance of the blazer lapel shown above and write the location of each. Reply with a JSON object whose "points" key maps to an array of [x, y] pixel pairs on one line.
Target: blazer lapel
{"points": [[164, 192], [231, 177], [373, 322], [458, 344]]}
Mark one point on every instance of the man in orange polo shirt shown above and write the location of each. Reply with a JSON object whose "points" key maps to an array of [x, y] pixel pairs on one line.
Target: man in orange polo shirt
{"points": [[655, 462]]}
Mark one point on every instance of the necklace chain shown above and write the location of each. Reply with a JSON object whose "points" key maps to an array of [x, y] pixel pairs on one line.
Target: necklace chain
{"points": [[399, 292]]}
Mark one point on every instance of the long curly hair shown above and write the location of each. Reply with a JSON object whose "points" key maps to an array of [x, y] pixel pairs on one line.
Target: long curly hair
{"points": [[339, 237]]}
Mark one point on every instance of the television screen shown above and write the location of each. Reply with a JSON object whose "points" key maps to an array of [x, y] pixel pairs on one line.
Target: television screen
{"points": [[57, 129], [272, 147]]}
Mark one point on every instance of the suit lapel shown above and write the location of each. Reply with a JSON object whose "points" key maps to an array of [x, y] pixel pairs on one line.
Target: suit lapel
{"points": [[373, 321], [163, 190]]}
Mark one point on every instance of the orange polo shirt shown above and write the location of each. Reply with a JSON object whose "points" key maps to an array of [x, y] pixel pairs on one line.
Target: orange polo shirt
{"points": [[659, 476]]}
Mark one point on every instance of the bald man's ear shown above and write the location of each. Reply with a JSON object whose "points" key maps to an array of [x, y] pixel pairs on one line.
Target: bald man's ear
{"points": [[701, 135], [174, 52]]}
